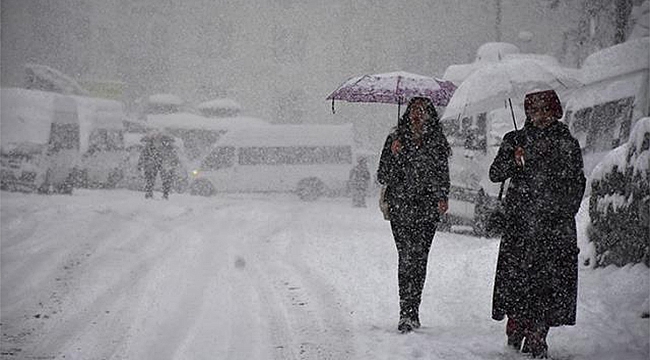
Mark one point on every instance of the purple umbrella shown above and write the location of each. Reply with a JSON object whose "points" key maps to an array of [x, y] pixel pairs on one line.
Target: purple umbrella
{"points": [[393, 88]]}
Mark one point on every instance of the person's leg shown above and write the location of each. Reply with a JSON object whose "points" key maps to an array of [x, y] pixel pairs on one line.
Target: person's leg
{"points": [[516, 330], [413, 245], [402, 233], [423, 233], [166, 176], [535, 343], [149, 180]]}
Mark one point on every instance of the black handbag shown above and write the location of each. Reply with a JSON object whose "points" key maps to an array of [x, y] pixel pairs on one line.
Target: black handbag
{"points": [[496, 220]]}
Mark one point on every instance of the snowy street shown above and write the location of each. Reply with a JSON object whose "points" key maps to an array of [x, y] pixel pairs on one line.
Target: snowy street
{"points": [[110, 275]]}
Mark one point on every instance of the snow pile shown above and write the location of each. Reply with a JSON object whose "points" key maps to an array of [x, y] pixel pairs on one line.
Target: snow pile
{"points": [[620, 201], [633, 154]]}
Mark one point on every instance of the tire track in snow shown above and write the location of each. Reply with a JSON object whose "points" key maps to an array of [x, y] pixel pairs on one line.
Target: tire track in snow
{"points": [[307, 316]]}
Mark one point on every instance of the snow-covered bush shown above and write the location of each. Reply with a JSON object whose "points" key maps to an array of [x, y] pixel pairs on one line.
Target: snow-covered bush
{"points": [[619, 206]]}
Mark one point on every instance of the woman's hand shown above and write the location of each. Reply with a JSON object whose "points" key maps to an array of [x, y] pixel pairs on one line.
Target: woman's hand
{"points": [[395, 147], [443, 206], [519, 156]]}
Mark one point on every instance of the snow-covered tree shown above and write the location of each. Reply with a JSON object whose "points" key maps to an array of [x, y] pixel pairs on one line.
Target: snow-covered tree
{"points": [[619, 206]]}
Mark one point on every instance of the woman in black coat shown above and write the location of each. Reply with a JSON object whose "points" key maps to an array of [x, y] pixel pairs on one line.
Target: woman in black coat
{"points": [[537, 270], [414, 169]]}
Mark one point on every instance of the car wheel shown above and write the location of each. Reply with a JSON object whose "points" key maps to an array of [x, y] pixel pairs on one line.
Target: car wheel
{"points": [[310, 189], [202, 188]]}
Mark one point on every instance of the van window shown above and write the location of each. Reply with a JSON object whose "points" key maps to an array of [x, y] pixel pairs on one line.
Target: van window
{"points": [[295, 155], [220, 157], [605, 125], [474, 132], [63, 137], [106, 140]]}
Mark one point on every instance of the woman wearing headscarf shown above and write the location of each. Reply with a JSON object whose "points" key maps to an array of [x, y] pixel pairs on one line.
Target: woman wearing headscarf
{"points": [[414, 169], [536, 278]]}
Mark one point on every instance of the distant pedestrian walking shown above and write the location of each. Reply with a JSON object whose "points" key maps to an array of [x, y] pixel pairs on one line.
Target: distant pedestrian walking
{"points": [[358, 182], [536, 278], [158, 157], [414, 168]]}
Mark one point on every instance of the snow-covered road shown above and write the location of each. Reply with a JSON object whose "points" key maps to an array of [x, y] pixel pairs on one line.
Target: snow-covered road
{"points": [[109, 275]]}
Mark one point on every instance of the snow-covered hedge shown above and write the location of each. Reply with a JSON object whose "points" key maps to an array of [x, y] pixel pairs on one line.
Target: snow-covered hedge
{"points": [[619, 206]]}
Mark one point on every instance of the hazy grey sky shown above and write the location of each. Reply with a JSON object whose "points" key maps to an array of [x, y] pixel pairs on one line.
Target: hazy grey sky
{"points": [[278, 58]]}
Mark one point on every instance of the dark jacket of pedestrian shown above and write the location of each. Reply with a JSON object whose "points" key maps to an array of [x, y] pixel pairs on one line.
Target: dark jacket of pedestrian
{"points": [[358, 182], [536, 278], [158, 156], [414, 169]]}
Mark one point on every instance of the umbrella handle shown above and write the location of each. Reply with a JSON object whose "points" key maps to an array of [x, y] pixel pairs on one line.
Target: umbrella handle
{"points": [[333, 111], [399, 104]]}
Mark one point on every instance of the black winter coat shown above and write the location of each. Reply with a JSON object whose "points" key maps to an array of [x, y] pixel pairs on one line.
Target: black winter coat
{"points": [[417, 177], [537, 268], [158, 154]]}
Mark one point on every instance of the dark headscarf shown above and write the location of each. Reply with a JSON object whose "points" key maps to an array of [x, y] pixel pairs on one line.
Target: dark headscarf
{"points": [[431, 129], [543, 98]]}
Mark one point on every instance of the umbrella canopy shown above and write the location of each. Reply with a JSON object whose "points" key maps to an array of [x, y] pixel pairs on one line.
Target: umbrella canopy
{"points": [[491, 86], [393, 88]]}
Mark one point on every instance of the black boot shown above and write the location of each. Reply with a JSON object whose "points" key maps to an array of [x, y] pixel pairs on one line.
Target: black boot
{"points": [[536, 341], [409, 318], [515, 331]]}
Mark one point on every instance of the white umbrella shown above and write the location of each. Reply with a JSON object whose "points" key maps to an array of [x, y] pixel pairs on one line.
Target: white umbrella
{"points": [[493, 85]]}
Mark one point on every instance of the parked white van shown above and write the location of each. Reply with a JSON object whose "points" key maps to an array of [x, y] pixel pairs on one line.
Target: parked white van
{"points": [[614, 97], [310, 160], [39, 144], [82, 135]]}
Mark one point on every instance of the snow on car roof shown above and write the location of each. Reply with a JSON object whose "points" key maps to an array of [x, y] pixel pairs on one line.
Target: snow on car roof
{"points": [[494, 51], [193, 121], [219, 104], [169, 99], [623, 58], [25, 116], [289, 135]]}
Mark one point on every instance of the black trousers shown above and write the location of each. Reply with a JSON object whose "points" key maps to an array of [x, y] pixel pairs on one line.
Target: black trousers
{"points": [[150, 178], [413, 239]]}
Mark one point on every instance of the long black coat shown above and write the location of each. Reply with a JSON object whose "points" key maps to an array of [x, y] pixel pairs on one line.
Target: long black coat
{"points": [[417, 177], [537, 268]]}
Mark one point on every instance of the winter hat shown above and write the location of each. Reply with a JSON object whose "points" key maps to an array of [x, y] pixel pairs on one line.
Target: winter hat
{"points": [[547, 98]]}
